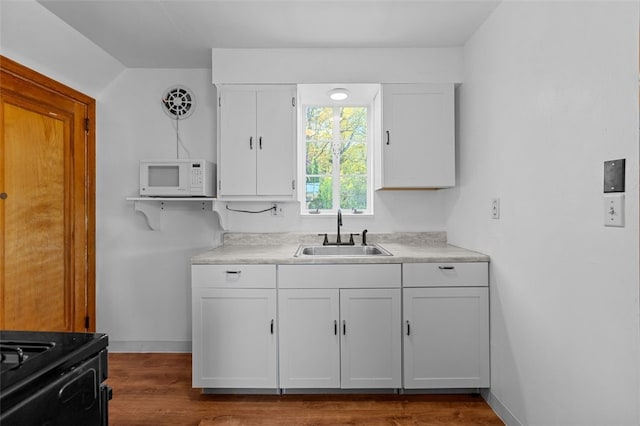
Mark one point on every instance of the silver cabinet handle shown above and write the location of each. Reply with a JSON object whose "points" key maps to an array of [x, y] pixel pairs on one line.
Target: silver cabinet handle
{"points": [[408, 328], [250, 142], [388, 138], [446, 267]]}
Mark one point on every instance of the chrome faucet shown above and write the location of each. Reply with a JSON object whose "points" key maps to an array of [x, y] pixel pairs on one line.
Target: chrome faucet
{"points": [[338, 240]]}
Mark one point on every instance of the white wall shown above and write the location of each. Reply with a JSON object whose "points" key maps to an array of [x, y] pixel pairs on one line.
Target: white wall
{"points": [[143, 290], [36, 38], [357, 65], [395, 211], [550, 92]]}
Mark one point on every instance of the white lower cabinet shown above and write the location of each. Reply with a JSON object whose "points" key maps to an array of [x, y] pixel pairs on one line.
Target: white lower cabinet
{"points": [[446, 328], [234, 331], [346, 338], [341, 326]]}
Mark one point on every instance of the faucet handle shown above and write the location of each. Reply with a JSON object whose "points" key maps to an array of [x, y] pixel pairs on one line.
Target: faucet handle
{"points": [[351, 242], [325, 242]]}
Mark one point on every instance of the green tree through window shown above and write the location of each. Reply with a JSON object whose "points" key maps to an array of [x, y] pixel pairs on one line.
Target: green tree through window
{"points": [[336, 158]]}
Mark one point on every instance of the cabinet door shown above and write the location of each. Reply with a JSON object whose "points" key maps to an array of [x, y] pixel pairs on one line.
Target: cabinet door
{"points": [[370, 330], [446, 337], [276, 141], [309, 339], [234, 338], [418, 142], [238, 144]]}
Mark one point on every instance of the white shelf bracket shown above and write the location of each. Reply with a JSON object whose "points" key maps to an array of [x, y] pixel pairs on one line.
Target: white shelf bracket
{"points": [[152, 208], [219, 208], [152, 212]]}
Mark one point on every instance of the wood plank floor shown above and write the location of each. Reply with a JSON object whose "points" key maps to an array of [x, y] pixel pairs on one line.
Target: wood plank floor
{"points": [[155, 389]]}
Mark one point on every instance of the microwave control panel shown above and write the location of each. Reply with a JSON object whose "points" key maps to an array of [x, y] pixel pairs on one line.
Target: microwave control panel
{"points": [[197, 177]]}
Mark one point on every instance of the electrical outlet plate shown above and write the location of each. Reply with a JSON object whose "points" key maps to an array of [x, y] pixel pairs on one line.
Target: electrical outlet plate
{"points": [[614, 210], [277, 210], [495, 208]]}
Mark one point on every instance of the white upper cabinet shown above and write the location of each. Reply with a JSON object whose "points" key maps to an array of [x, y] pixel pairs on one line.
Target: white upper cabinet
{"points": [[256, 145], [417, 146]]}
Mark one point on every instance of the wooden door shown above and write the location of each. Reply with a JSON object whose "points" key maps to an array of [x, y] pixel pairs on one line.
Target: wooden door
{"points": [[47, 204]]}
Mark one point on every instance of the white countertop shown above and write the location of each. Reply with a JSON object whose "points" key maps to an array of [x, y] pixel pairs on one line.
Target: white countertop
{"points": [[280, 249]]}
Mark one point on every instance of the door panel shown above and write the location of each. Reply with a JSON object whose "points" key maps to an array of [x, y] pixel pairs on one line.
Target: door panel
{"points": [[371, 356], [448, 342], [275, 142], [309, 339], [238, 129], [235, 338], [47, 235], [37, 288]]}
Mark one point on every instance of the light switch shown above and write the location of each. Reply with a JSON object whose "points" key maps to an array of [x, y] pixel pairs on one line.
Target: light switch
{"points": [[495, 208], [614, 210]]}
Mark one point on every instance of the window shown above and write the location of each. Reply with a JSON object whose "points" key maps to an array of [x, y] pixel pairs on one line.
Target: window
{"points": [[336, 159]]}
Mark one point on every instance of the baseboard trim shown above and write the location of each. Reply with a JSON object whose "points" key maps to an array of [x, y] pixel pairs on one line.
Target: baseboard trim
{"points": [[503, 412], [149, 346]]}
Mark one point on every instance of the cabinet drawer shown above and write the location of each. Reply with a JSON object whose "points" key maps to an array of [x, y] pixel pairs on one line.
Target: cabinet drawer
{"points": [[340, 276], [233, 276], [469, 274]]}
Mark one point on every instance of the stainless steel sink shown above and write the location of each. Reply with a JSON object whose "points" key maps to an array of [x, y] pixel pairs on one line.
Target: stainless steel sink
{"points": [[341, 251]]}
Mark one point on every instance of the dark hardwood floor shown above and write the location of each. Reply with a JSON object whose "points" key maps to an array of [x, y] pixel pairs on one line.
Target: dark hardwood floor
{"points": [[155, 389]]}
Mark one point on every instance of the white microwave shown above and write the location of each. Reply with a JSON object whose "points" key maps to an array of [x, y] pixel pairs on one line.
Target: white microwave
{"points": [[177, 178]]}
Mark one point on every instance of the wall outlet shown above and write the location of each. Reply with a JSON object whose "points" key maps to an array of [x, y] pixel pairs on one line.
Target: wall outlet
{"points": [[495, 208], [278, 210]]}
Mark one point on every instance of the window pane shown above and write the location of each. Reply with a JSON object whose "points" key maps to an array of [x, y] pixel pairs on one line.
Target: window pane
{"points": [[319, 192], [319, 158], [353, 124], [353, 158], [319, 124], [353, 192]]}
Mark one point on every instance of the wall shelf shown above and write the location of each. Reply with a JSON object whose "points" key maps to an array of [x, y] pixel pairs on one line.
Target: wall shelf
{"points": [[153, 207]]}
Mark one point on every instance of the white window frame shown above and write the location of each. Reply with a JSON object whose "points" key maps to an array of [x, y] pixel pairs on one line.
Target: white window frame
{"points": [[301, 143]]}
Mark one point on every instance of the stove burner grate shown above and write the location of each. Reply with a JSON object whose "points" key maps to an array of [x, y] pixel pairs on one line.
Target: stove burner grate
{"points": [[14, 354]]}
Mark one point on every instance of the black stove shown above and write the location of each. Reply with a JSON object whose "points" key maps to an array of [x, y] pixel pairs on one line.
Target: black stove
{"points": [[53, 378]]}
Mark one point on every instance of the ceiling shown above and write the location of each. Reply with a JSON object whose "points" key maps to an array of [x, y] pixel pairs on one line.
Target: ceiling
{"points": [[181, 33]]}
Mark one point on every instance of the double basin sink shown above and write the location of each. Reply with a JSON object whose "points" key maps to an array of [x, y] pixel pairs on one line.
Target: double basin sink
{"points": [[341, 250]]}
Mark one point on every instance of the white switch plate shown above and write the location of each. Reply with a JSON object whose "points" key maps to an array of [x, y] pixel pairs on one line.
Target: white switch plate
{"points": [[614, 210], [495, 208]]}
